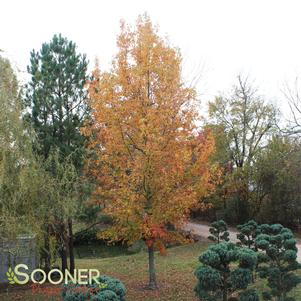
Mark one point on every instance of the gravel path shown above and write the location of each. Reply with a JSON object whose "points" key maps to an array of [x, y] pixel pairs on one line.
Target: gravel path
{"points": [[203, 230]]}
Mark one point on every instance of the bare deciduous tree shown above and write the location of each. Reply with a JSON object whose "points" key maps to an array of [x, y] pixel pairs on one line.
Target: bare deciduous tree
{"points": [[292, 95]]}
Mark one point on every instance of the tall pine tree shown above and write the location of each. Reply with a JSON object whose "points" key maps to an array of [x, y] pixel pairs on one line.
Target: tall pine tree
{"points": [[56, 108]]}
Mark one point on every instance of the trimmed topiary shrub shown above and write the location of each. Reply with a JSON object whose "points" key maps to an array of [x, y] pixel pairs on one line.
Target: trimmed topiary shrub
{"points": [[278, 261], [249, 295], [109, 289], [219, 276], [248, 233], [219, 231]]}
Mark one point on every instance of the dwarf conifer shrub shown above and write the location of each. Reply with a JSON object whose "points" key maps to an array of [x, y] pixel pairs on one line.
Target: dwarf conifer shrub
{"points": [[249, 295], [248, 233], [109, 289], [226, 269], [219, 231], [278, 261]]}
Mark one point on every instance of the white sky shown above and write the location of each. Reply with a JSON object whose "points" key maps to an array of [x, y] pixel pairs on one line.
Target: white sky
{"points": [[219, 38]]}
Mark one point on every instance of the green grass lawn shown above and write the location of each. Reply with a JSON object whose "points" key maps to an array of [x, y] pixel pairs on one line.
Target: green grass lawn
{"points": [[175, 275]]}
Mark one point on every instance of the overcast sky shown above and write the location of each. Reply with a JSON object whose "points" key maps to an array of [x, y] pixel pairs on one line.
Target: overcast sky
{"points": [[217, 38]]}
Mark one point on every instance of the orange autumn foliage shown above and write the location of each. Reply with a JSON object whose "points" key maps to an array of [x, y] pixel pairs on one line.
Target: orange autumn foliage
{"points": [[150, 165]]}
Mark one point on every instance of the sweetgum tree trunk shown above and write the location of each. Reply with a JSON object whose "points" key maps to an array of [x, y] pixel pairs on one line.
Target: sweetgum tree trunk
{"points": [[151, 268]]}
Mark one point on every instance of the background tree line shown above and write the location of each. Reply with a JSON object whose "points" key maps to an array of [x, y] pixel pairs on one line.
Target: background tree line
{"points": [[259, 159]]}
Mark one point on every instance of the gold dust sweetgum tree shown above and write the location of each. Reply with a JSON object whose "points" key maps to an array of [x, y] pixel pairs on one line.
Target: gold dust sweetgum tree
{"points": [[150, 164]]}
